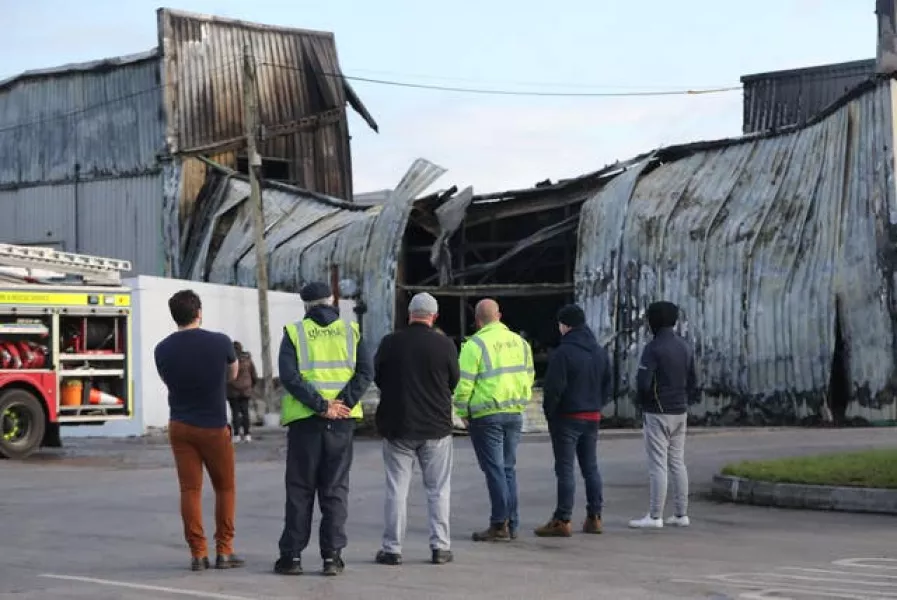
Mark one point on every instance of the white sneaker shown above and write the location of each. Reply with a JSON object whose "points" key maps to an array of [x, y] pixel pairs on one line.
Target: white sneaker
{"points": [[678, 521], [248, 438], [237, 439], [646, 522]]}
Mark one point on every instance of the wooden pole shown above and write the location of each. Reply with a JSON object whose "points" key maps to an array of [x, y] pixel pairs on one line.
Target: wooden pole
{"points": [[886, 51], [251, 126]]}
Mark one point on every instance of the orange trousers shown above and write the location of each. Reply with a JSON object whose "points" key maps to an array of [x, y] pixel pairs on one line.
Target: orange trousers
{"points": [[193, 448]]}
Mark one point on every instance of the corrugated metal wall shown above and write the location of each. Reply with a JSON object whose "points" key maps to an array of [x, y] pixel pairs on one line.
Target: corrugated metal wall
{"points": [[759, 242], [105, 117], [299, 80], [305, 235], [781, 98], [119, 217]]}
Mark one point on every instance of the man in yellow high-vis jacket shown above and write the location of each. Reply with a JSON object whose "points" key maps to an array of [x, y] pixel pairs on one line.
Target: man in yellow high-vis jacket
{"points": [[325, 370], [496, 385]]}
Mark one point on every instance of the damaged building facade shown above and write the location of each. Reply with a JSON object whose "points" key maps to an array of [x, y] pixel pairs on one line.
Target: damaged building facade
{"points": [[778, 247], [101, 157]]}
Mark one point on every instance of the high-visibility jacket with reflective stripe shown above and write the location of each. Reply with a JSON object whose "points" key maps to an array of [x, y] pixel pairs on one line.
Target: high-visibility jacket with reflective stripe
{"points": [[326, 358], [496, 373]]}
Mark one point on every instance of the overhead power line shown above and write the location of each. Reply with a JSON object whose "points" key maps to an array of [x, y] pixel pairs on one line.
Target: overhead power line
{"points": [[505, 92], [387, 82]]}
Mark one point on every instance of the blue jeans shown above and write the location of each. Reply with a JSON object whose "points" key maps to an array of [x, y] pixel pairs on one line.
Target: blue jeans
{"points": [[572, 440], [495, 439]]}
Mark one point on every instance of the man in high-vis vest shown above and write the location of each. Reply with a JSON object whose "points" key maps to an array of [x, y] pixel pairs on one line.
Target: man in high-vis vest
{"points": [[325, 370], [496, 385]]}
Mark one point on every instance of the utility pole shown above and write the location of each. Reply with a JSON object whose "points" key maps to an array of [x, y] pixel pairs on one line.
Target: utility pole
{"points": [[251, 126], [886, 46]]}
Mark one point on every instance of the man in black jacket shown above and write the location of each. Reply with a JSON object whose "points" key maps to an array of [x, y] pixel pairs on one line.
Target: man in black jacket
{"points": [[666, 382], [416, 370], [577, 385]]}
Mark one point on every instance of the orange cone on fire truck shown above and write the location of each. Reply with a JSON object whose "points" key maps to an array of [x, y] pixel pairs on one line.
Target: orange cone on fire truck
{"points": [[65, 345]]}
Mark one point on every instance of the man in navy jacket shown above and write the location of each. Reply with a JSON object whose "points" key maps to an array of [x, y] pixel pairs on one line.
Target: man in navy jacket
{"points": [[577, 385]]}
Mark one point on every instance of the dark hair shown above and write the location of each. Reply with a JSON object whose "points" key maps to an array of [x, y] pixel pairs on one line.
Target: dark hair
{"points": [[238, 347], [184, 306], [662, 314]]}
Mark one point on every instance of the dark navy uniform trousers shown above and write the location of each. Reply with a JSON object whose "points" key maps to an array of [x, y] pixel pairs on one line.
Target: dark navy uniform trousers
{"points": [[319, 457]]}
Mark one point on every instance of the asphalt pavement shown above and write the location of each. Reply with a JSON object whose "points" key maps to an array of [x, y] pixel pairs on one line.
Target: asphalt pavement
{"points": [[100, 520]]}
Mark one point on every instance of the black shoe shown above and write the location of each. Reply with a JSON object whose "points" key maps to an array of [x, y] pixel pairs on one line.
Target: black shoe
{"points": [[228, 561], [512, 533], [440, 557], [287, 565], [200, 564], [333, 566], [388, 558]]}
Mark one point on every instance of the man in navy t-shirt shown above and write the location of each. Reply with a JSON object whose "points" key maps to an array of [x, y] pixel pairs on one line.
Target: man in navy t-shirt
{"points": [[195, 365]]}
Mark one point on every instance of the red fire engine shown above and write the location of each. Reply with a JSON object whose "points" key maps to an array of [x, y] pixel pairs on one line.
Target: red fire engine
{"points": [[65, 341]]}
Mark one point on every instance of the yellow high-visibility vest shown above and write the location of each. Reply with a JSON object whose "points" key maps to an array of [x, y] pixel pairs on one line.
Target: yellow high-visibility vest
{"points": [[497, 373], [326, 358]]}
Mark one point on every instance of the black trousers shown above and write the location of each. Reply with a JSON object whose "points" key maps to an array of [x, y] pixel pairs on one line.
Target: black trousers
{"points": [[319, 457], [239, 408]]}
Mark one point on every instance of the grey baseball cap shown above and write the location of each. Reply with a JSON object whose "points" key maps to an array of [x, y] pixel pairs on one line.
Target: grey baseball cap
{"points": [[423, 304]]}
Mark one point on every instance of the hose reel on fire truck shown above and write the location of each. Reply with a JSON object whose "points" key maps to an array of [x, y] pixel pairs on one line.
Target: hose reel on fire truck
{"points": [[65, 322]]}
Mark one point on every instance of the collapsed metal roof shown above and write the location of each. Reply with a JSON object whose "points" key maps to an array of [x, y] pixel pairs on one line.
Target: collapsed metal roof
{"points": [[773, 247]]}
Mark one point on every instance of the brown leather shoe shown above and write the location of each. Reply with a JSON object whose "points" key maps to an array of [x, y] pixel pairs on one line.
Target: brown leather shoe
{"points": [[555, 528], [592, 525], [495, 533]]}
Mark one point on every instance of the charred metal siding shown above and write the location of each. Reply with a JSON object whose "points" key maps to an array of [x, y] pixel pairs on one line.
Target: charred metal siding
{"points": [[299, 81], [104, 116], [305, 234], [781, 98], [79, 165], [759, 242]]}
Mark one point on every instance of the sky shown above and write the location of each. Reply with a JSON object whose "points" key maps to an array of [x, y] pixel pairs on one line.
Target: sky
{"points": [[499, 142]]}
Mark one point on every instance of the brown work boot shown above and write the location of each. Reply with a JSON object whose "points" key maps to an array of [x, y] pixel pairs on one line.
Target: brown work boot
{"points": [[495, 533], [555, 528], [592, 524]]}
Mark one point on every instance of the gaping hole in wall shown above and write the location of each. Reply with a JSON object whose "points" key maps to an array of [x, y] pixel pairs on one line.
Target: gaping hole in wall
{"points": [[273, 169], [839, 382], [520, 253]]}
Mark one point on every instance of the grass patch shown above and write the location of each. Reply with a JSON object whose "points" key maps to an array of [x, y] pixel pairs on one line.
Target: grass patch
{"points": [[870, 468]]}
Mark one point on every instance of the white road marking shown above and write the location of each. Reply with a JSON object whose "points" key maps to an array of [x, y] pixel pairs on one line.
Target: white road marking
{"points": [[861, 563], [831, 572], [777, 594], [144, 587], [856, 579]]}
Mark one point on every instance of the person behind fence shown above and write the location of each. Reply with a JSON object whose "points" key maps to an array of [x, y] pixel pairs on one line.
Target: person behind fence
{"points": [[666, 382], [496, 384], [195, 365], [416, 370], [325, 370], [239, 393], [576, 387]]}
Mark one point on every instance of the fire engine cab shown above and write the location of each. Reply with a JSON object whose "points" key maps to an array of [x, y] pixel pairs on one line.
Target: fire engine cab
{"points": [[65, 345]]}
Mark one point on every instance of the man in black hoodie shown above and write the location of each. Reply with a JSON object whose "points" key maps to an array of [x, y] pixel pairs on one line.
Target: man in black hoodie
{"points": [[666, 382], [576, 387], [325, 369]]}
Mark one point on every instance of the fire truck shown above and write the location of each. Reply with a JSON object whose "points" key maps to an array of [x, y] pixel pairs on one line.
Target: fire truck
{"points": [[65, 345]]}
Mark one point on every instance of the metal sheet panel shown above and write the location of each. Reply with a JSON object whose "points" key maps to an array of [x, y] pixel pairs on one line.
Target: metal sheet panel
{"points": [[39, 215], [105, 117], [781, 98], [306, 234], [124, 218], [299, 80], [759, 242]]}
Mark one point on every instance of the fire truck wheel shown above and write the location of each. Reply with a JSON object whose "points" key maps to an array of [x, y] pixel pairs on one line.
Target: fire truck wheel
{"points": [[22, 424]]}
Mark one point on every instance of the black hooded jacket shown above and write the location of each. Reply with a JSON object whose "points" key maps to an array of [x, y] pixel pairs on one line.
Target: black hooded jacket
{"points": [[578, 378], [305, 392], [666, 379]]}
